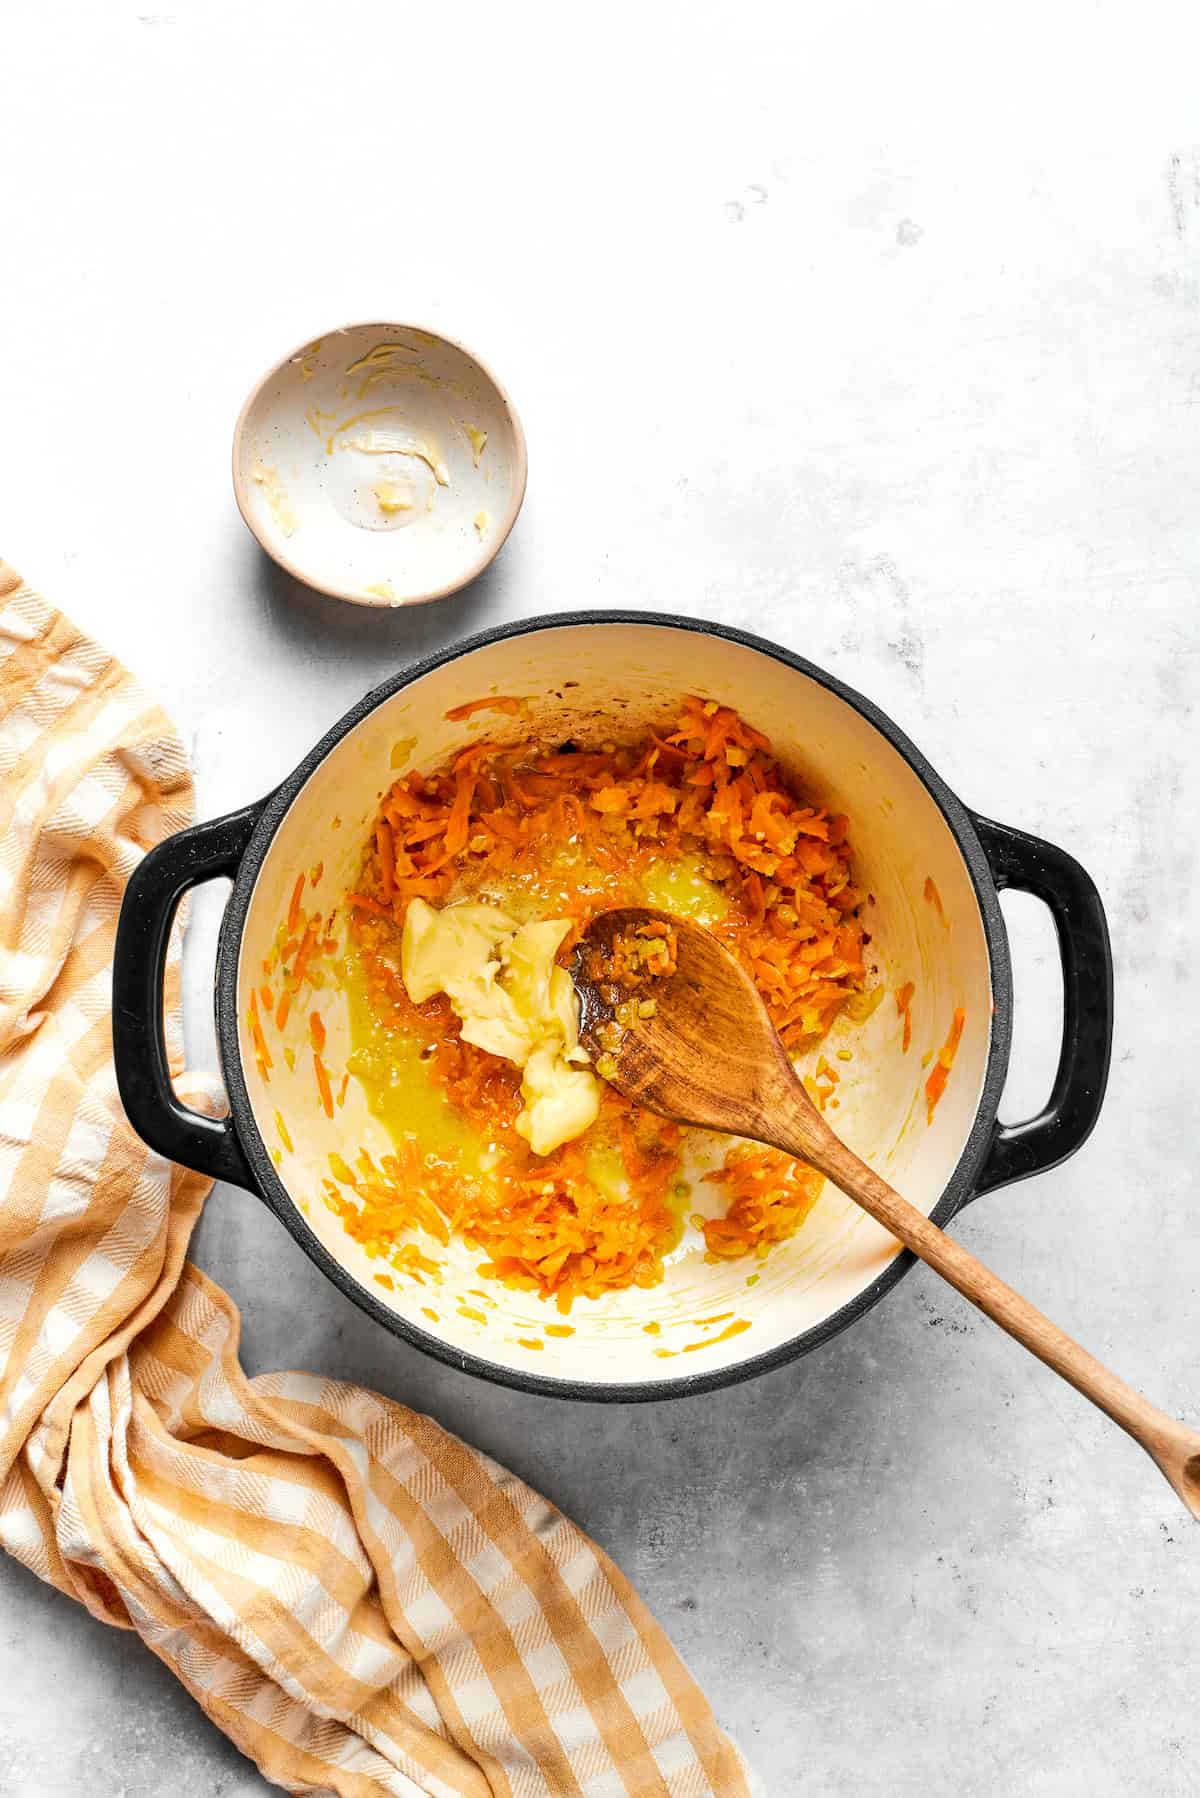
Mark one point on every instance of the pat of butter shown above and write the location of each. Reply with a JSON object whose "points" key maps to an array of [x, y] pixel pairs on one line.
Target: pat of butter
{"points": [[501, 979], [392, 497]]}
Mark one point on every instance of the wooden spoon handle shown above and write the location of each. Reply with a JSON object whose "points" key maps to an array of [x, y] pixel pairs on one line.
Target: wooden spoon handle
{"points": [[1174, 1447]]}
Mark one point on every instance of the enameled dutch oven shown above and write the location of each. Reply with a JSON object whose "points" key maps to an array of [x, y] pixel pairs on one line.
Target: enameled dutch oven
{"points": [[594, 675]]}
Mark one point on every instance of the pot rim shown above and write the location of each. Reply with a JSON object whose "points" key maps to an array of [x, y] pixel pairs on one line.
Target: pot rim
{"points": [[957, 1191]]}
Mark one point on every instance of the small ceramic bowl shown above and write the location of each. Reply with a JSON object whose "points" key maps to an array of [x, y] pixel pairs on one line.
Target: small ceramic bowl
{"points": [[381, 464]]}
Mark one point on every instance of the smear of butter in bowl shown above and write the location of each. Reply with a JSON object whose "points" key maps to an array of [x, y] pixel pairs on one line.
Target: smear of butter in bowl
{"points": [[394, 496], [514, 1001]]}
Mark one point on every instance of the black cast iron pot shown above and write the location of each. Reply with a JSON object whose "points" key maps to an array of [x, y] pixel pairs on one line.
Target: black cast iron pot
{"points": [[594, 675]]}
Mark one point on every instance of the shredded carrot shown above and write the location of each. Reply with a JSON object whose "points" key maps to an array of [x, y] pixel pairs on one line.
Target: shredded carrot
{"points": [[364, 902], [935, 1086], [293, 912], [904, 998], [314, 876], [409, 1259], [261, 1052], [386, 850], [341, 1098], [316, 1031], [323, 1086], [577, 828], [512, 706], [771, 1196], [308, 943]]}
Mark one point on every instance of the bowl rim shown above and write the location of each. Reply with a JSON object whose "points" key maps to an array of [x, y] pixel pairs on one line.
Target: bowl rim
{"points": [[958, 1190], [354, 595]]}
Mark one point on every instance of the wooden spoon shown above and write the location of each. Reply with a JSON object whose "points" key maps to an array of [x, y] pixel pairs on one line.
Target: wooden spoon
{"points": [[709, 1055]]}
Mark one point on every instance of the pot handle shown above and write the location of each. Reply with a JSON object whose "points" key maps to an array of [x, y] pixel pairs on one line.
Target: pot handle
{"points": [[157, 885], [1033, 866]]}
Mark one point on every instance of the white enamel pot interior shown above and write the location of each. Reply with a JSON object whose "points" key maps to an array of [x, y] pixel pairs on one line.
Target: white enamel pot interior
{"points": [[592, 680]]}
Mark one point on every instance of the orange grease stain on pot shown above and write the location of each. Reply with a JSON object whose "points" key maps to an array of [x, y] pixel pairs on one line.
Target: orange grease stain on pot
{"points": [[502, 703], [934, 898], [734, 1329], [935, 1086]]}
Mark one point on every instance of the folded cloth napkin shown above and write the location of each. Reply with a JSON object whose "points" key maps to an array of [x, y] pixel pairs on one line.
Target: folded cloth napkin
{"points": [[361, 1602]]}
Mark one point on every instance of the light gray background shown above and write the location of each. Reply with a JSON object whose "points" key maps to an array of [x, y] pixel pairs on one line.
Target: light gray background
{"points": [[875, 328]]}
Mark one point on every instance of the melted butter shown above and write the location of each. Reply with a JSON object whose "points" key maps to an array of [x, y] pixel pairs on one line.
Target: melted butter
{"points": [[382, 441], [477, 440], [401, 1094], [275, 494], [385, 355], [318, 421], [606, 1170], [306, 362], [384, 590], [481, 522], [396, 1083], [683, 889], [386, 363], [394, 496]]}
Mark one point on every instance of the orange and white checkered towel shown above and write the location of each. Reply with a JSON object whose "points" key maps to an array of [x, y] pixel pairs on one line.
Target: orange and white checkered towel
{"points": [[361, 1602]]}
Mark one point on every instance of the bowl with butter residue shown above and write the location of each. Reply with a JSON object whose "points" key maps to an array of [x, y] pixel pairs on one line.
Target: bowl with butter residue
{"points": [[381, 464]]}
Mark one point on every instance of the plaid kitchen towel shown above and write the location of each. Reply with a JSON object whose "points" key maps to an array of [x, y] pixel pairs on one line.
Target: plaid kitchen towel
{"points": [[361, 1602]]}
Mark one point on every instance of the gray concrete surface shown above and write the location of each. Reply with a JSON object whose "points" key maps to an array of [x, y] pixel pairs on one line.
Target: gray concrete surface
{"points": [[874, 329]]}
